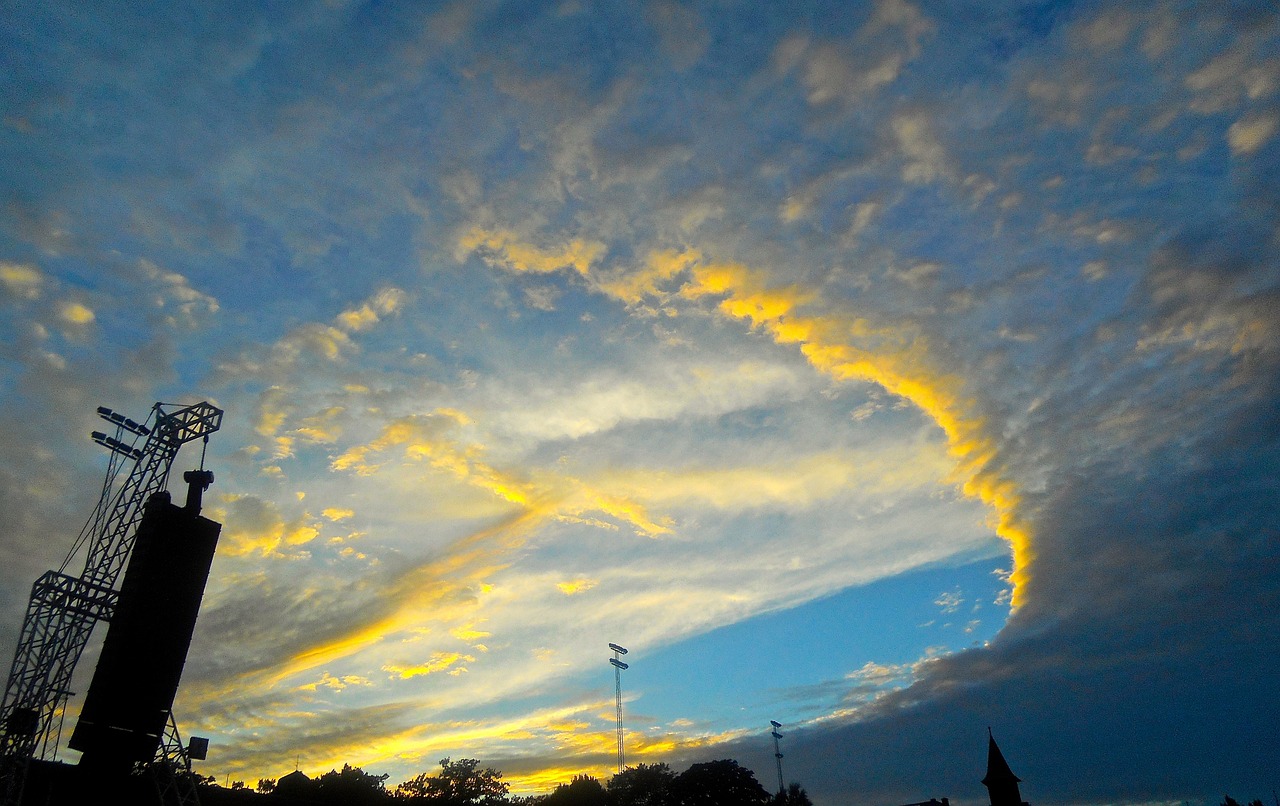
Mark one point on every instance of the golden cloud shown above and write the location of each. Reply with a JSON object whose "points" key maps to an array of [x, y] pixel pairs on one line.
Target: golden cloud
{"points": [[439, 662], [842, 347], [570, 587], [469, 634], [364, 316], [255, 526], [20, 279], [75, 313], [575, 254]]}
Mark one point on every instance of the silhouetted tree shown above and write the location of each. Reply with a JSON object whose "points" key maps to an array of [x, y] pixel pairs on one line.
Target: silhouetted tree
{"points": [[583, 790], [1227, 800], [641, 785], [350, 785], [794, 795], [460, 783], [169, 771], [266, 785], [718, 783]]}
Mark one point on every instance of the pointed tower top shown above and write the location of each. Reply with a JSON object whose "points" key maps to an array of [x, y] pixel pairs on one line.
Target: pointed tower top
{"points": [[997, 768]]}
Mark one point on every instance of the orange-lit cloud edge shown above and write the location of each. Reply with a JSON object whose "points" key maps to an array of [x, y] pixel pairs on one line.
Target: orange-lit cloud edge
{"points": [[842, 347]]}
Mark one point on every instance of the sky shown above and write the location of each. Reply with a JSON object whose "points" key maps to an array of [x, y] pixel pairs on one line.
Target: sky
{"points": [[893, 370]]}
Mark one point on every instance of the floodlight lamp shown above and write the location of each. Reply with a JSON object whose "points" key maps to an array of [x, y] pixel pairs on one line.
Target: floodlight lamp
{"points": [[137, 428], [775, 723], [118, 419], [618, 663], [618, 649]]}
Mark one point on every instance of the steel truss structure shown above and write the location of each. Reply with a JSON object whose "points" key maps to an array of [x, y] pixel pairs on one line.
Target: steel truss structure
{"points": [[618, 666], [64, 609]]}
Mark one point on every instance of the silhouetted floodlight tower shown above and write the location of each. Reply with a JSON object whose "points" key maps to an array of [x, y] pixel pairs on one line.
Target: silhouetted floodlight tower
{"points": [[618, 666], [777, 752]]}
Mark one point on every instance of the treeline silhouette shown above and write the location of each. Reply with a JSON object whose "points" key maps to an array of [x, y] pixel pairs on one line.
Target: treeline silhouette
{"points": [[466, 783]]}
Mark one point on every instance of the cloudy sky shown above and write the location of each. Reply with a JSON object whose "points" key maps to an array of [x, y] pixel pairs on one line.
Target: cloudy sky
{"points": [[889, 369]]}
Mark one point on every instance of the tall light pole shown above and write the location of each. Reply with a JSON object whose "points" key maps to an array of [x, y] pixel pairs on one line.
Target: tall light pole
{"points": [[618, 666], [777, 753]]}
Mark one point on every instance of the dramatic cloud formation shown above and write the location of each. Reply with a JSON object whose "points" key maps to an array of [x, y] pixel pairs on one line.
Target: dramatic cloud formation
{"points": [[890, 369]]}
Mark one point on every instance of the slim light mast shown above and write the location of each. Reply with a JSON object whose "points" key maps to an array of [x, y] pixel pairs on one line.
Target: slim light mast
{"points": [[618, 666], [777, 753]]}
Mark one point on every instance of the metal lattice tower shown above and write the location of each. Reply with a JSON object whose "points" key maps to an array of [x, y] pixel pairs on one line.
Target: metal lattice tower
{"points": [[174, 781], [64, 609], [777, 753], [618, 666]]}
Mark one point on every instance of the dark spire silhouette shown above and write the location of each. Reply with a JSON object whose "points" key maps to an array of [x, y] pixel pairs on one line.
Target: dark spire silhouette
{"points": [[1000, 781]]}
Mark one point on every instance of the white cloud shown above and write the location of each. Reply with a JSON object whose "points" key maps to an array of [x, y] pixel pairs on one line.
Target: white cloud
{"points": [[950, 601], [605, 402], [925, 158], [874, 58], [181, 304]]}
